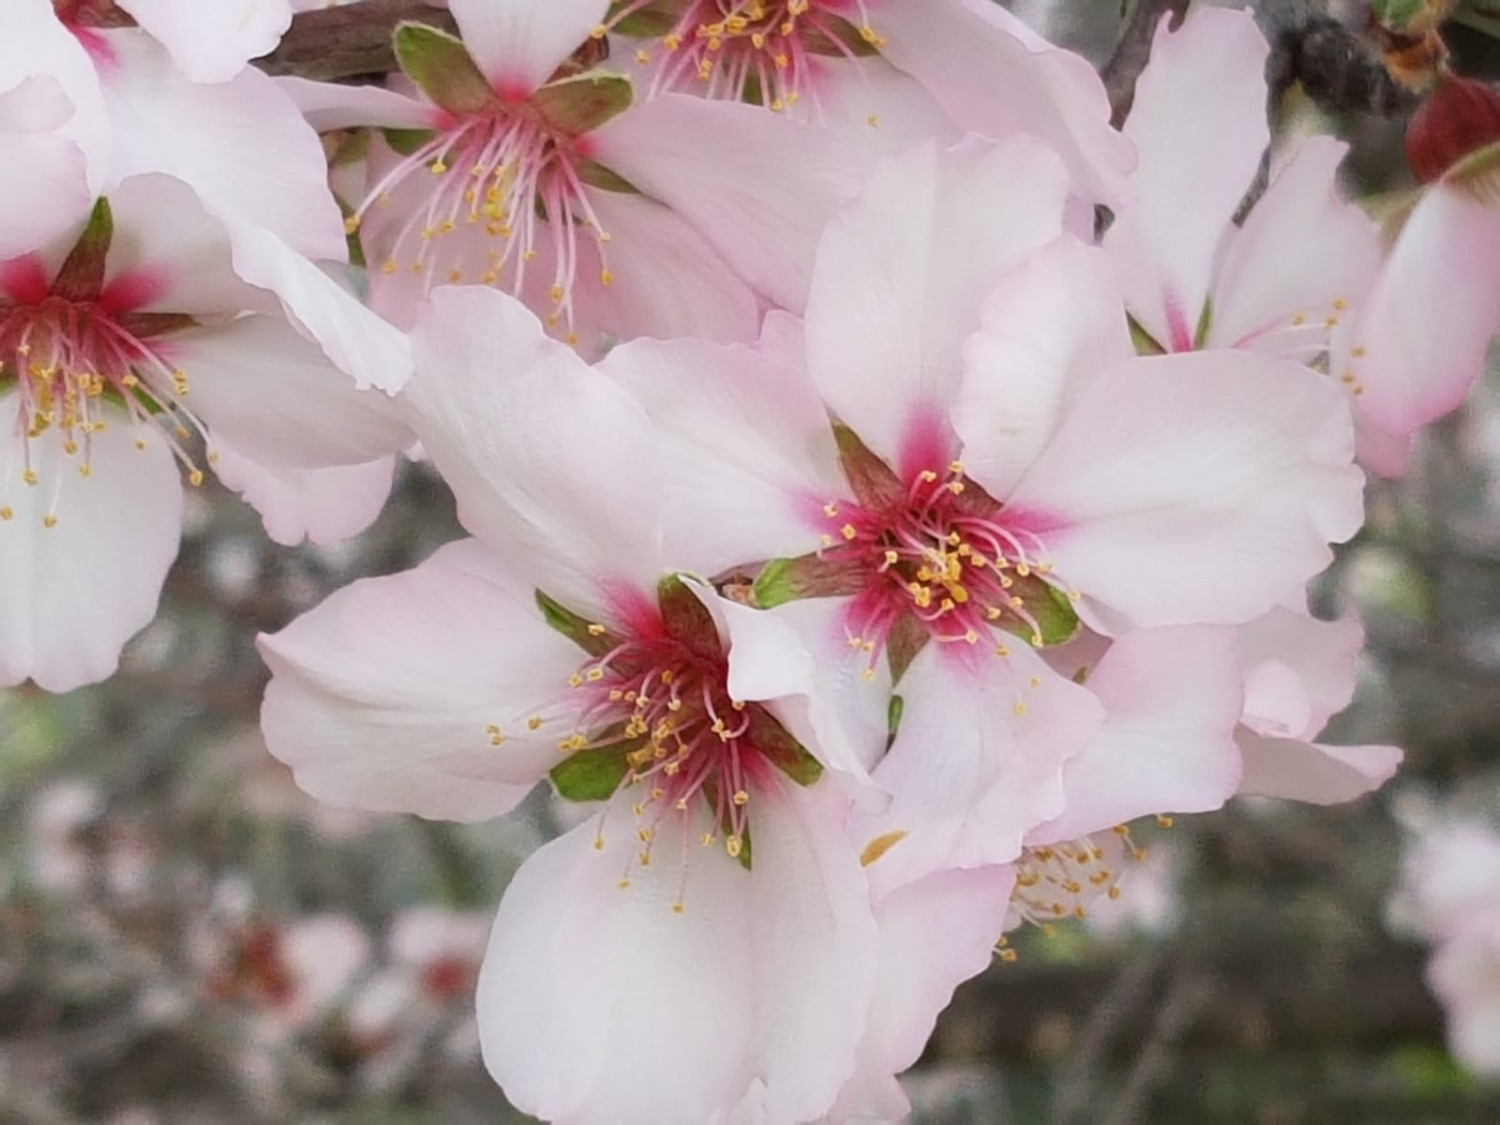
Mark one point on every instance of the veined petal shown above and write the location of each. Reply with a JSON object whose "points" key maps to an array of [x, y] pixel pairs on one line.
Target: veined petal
{"points": [[571, 497], [213, 42], [1303, 252], [415, 692], [1171, 699], [323, 506], [1195, 166], [1195, 488], [708, 161], [977, 761], [900, 276], [519, 43], [753, 453], [215, 138], [1045, 330], [1310, 771], [76, 591], [44, 180], [764, 976], [994, 83]]}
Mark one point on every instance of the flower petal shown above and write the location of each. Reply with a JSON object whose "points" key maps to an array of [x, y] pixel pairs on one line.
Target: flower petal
{"points": [[765, 975], [323, 506], [1299, 671], [213, 42], [1195, 166], [44, 180], [1195, 488], [571, 498], [1171, 698], [994, 83], [1312, 771], [391, 694], [1046, 329], [900, 276], [334, 105], [519, 43], [74, 593]]}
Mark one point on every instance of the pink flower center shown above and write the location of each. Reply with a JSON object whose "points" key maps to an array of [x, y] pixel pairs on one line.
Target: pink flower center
{"points": [[482, 200], [69, 360], [948, 558], [760, 51]]}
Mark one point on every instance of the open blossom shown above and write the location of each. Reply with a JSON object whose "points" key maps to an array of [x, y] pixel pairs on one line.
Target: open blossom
{"points": [[527, 168], [559, 642], [897, 71], [123, 345], [119, 96], [1001, 465]]}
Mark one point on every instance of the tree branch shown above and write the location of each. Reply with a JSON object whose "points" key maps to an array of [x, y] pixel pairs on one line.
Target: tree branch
{"points": [[331, 44]]}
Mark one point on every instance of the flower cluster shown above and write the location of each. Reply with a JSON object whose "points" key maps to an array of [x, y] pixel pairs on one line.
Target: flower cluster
{"points": [[884, 479]]}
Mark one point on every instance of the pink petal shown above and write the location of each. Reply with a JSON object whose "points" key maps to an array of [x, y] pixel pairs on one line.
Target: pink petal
{"points": [[760, 986], [1385, 455], [935, 934], [1299, 671], [1195, 488], [1045, 330], [756, 187], [901, 273], [213, 42], [216, 138], [1003, 730], [519, 43], [746, 435], [1425, 328], [322, 506], [44, 178], [1171, 698], [384, 696], [572, 497], [1303, 251], [333, 105], [995, 83], [1195, 165], [1311, 771], [74, 593], [275, 397]]}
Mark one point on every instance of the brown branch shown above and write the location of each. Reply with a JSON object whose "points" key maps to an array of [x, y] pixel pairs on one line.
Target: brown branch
{"points": [[1133, 50], [339, 43]]}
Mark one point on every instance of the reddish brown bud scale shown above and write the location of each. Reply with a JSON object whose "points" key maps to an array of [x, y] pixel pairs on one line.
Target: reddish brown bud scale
{"points": [[1461, 117]]}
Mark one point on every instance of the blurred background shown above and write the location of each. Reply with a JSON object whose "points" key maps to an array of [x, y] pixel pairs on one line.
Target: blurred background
{"points": [[184, 937]]}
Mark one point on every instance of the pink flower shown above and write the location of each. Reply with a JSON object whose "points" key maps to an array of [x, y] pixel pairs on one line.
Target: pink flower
{"points": [[898, 71], [983, 490], [121, 344], [239, 142], [525, 168], [560, 641]]}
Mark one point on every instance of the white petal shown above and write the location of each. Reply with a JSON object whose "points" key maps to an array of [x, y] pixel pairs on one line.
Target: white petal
{"points": [[1318, 656], [74, 593], [1311, 771], [44, 178], [383, 697], [519, 43], [323, 506], [213, 42]]}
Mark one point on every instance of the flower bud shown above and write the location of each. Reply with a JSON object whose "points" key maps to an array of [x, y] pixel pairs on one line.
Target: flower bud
{"points": [[1461, 117], [1410, 17]]}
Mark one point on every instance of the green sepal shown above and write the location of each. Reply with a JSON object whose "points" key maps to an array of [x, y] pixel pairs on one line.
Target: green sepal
{"points": [[874, 485], [893, 712], [908, 636], [650, 22], [1145, 343], [1205, 322], [1056, 620], [442, 67], [404, 142], [598, 176], [807, 576], [145, 325], [576, 627], [687, 619], [726, 825], [746, 848], [1401, 15], [777, 746], [837, 38], [581, 104], [594, 774], [82, 274]]}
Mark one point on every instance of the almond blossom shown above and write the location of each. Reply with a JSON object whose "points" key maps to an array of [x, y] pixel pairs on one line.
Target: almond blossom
{"points": [[984, 485], [524, 166], [208, 42], [560, 642], [123, 343]]}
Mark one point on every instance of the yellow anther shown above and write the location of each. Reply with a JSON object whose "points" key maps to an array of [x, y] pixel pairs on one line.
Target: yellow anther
{"points": [[534, 722], [49, 521], [848, 531], [1020, 708], [733, 845]]}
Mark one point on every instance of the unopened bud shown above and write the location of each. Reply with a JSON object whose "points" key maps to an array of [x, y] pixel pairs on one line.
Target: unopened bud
{"points": [[1460, 118], [1411, 17]]}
